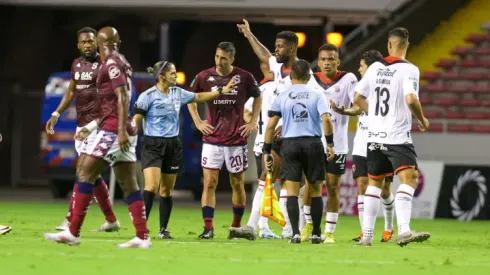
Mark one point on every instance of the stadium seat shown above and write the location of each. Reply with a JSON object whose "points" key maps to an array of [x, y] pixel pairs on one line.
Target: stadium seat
{"points": [[446, 63], [434, 88], [425, 100], [454, 115], [459, 128], [486, 103], [461, 51], [430, 75], [476, 76], [470, 102], [471, 63], [481, 129], [433, 114], [481, 89], [478, 38], [446, 101], [483, 51], [434, 128], [450, 75], [458, 89], [477, 115]]}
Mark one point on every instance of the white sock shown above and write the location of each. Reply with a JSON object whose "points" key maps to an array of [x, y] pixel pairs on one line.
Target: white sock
{"points": [[264, 223], [307, 211], [331, 222], [255, 213], [283, 199], [360, 208], [371, 205], [388, 207], [403, 206], [302, 220]]}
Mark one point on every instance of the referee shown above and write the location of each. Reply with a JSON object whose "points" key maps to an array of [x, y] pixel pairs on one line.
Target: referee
{"points": [[304, 111], [158, 110]]}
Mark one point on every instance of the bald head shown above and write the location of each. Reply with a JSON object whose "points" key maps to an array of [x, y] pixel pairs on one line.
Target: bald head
{"points": [[109, 37]]}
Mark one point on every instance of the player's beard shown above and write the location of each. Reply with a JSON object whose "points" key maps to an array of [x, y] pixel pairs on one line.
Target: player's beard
{"points": [[89, 58]]}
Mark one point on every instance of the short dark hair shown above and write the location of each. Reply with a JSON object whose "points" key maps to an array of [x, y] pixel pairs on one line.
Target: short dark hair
{"points": [[159, 68], [86, 30], [401, 33], [328, 47], [289, 36], [300, 69], [228, 47], [371, 56]]}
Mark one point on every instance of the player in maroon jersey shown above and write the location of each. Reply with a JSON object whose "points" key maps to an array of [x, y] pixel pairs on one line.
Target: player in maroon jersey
{"points": [[84, 70], [114, 144], [225, 132]]}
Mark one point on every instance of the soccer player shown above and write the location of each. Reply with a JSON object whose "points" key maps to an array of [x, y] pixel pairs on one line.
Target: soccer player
{"points": [[84, 71], [285, 53], [269, 94], [359, 154], [115, 144], [339, 88], [225, 132], [304, 112], [161, 156], [5, 229], [391, 87]]}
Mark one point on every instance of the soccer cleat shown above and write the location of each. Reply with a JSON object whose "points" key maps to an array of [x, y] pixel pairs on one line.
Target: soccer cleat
{"points": [[207, 234], [295, 239], [164, 234], [358, 238], [5, 229], [266, 233], [287, 232], [366, 241], [109, 227], [411, 236], [387, 236], [64, 237], [63, 226], [136, 243], [306, 232], [244, 232], [316, 239], [329, 238]]}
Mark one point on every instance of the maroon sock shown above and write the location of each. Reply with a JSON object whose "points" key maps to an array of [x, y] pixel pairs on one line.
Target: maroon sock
{"points": [[137, 211], [238, 211], [207, 216], [101, 194], [81, 203], [72, 199]]}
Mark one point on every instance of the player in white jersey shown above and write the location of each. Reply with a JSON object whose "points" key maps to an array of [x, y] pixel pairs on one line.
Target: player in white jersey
{"points": [[391, 87], [269, 93], [359, 153], [285, 53], [339, 89]]}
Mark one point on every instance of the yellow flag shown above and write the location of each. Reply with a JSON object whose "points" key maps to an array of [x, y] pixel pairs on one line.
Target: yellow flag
{"points": [[269, 207]]}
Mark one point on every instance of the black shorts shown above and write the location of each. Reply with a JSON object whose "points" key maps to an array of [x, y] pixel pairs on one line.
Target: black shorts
{"points": [[165, 153], [360, 168], [383, 159], [302, 154], [276, 147], [337, 165]]}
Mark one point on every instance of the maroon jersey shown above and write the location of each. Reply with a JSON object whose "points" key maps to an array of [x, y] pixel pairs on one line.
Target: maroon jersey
{"points": [[114, 72], [85, 75], [225, 113]]}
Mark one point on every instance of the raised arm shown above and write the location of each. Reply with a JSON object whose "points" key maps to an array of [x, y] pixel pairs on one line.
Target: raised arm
{"points": [[260, 50]]}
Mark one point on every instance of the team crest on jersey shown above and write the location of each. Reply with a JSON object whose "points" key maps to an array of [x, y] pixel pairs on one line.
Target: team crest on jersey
{"points": [[114, 72]]}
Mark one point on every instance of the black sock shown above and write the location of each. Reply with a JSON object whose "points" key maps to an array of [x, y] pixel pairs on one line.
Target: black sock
{"points": [[148, 198], [293, 212], [316, 215], [165, 211]]}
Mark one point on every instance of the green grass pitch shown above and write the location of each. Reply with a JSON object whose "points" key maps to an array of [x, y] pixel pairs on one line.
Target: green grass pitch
{"points": [[454, 247]]}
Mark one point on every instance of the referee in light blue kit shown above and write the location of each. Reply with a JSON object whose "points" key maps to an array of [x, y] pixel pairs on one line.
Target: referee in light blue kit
{"points": [[157, 110], [304, 111]]}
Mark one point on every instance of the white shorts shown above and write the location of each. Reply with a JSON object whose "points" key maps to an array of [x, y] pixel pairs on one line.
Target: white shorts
{"points": [[82, 145], [106, 146], [235, 157]]}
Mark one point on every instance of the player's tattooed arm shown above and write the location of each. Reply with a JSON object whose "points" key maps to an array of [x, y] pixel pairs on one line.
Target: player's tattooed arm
{"points": [[122, 117], [361, 101], [260, 50], [66, 102]]}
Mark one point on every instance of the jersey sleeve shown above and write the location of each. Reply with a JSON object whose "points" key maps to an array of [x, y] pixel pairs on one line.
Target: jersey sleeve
{"points": [[351, 87], [252, 86], [323, 106], [117, 74], [275, 109], [411, 82], [196, 85], [273, 65], [72, 71], [186, 97], [362, 86], [142, 104], [249, 104]]}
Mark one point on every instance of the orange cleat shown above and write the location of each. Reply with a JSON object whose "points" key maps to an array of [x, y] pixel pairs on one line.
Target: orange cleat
{"points": [[358, 238], [387, 236]]}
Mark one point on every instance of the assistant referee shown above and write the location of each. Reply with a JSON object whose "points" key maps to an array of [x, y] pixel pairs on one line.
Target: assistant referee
{"points": [[158, 110], [304, 111]]}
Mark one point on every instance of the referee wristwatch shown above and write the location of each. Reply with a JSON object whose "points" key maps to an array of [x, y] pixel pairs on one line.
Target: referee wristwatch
{"points": [[220, 91]]}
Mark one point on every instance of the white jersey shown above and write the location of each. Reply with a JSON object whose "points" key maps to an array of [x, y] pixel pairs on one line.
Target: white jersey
{"points": [[282, 79], [341, 91], [385, 85], [360, 140], [269, 94]]}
